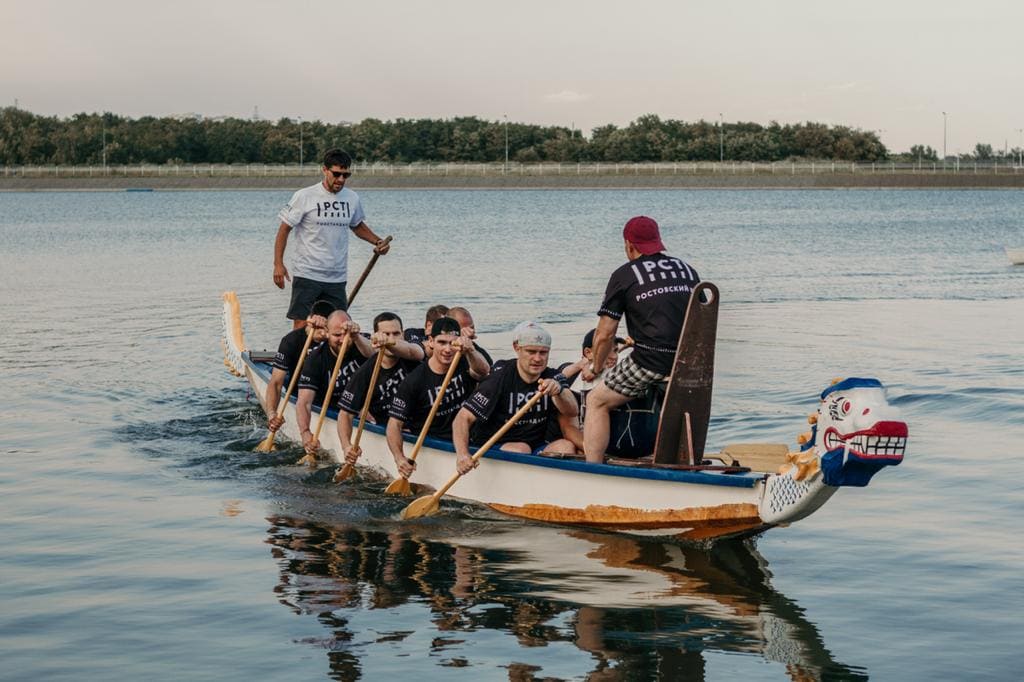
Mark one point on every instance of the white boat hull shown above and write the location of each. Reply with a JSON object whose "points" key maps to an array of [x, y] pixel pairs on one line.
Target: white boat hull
{"points": [[640, 500]]}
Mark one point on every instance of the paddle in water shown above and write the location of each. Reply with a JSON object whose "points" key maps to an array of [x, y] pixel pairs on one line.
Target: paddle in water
{"points": [[267, 445], [348, 469], [401, 486], [429, 504], [310, 457]]}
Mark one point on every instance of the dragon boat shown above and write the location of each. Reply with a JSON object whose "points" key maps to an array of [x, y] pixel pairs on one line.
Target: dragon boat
{"points": [[677, 491]]}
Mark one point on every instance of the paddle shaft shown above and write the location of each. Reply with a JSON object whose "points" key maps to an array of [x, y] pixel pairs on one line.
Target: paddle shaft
{"points": [[369, 266], [369, 395], [491, 441], [330, 387], [437, 403]]}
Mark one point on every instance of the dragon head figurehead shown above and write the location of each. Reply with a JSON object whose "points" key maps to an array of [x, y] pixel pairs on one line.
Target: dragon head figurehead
{"points": [[856, 432]]}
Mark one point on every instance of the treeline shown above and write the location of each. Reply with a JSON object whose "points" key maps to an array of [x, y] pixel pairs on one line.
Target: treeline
{"points": [[89, 139]]}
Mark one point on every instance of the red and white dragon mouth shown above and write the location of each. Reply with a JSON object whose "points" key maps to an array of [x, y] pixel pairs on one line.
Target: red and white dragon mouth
{"points": [[884, 440]]}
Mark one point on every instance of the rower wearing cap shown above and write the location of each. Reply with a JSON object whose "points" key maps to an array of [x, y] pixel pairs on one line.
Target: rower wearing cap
{"points": [[287, 358], [416, 394], [510, 385], [652, 291]]}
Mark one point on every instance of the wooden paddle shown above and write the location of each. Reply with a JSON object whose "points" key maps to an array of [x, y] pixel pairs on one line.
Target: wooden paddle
{"points": [[267, 445], [428, 504], [346, 471], [369, 266], [311, 458], [400, 486]]}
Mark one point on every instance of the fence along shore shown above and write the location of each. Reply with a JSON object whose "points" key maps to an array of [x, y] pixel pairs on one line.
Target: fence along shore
{"points": [[525, 175]]}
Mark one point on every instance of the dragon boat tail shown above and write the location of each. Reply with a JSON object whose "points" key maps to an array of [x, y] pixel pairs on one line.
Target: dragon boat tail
{"points": [[742, 490]]}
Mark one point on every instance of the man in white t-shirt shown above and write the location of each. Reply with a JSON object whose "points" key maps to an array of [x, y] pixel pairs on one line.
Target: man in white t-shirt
{"points": [[321, 217]]}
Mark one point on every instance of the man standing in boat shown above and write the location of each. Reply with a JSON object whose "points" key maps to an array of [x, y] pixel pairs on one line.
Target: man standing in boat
{"points": [[416, 395], [321, 216], [652, 290], [400, 359], [287, 358], [316, 372], [509, 386]]}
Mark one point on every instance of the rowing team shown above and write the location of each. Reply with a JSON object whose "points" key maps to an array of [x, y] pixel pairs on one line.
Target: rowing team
{"points": [[434, 381]]}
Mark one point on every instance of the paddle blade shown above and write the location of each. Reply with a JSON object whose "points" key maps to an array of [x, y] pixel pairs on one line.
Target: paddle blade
{"points": [[267, 444], [308, 459], [344, 473], [423, 506], [399, 486]]}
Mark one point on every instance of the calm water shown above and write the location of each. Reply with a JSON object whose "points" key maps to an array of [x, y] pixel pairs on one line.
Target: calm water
{"points": [[143, 539]]}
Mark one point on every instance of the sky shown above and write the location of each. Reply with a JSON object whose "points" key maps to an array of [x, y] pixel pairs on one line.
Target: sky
{"points": [[890, 66]]}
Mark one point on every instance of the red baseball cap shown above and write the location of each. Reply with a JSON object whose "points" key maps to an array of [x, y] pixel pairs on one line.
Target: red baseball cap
{"points": [[642, 232]]}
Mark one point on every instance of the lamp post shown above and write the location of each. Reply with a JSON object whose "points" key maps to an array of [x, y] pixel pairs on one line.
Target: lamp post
{"points": [[504, 168], [721, 139], [104, 148], [1020, 147], [300, 145], [943, 139]]}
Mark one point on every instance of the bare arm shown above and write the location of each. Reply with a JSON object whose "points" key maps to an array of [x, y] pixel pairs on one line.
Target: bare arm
{"points": [[345, 429], [571, 430], [604, 337], [274, 387], [397, 447], [273, 399], [565, 403], [478, 367], [394, 435], [304, 411], [463, 422], [363, 231], [361, 343], [460, 438], [408, 351], [280, 271]]}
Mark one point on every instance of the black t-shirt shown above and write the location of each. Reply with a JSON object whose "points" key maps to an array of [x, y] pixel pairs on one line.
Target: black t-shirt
{"points": [[415, 396], [316, 372], [487, 356], [289, 350], [354, 395], [653, 292], [415, 335], [500, 396]]}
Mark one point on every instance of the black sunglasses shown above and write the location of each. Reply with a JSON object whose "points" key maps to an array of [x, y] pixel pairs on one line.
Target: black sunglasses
{"points": [[341, 174]]}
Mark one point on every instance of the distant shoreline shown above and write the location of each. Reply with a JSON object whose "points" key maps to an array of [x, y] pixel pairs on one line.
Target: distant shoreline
{"points": [[879, 180]]}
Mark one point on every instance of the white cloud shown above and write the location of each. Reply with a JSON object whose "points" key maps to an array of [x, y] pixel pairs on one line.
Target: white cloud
{"points": [[567, 96]]}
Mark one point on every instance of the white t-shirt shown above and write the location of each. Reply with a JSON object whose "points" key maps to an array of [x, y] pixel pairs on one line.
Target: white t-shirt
{"points": [[321, 221]]}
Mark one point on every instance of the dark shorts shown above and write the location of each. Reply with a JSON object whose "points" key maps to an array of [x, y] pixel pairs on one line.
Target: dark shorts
{"points": [[306, 292]]}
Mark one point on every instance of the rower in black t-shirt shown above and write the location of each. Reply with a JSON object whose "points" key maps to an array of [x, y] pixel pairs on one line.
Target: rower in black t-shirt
{"points": [[415, 396], [420, 334], [465, 320], [315, 377], [652, 291], [400, 358], [508, 388], [287, 358]]}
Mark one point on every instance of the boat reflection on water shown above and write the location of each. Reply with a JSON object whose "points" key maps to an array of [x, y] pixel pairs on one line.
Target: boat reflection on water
{"points": [[629, 608]]}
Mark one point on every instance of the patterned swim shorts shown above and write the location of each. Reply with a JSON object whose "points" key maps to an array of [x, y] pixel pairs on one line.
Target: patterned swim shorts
{"points": [[630, 379]]}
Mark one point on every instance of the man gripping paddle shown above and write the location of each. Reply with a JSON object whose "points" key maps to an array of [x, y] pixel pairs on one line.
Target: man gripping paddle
{"points": [[321, 216]]}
